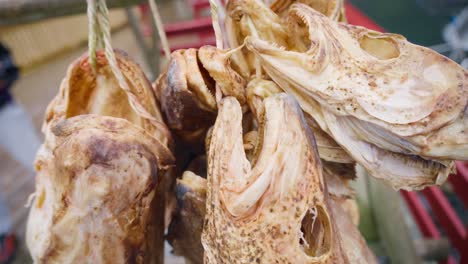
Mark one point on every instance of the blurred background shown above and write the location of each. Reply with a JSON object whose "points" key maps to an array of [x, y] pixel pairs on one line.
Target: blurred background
{"points": [[43, 49], [421, 21]]}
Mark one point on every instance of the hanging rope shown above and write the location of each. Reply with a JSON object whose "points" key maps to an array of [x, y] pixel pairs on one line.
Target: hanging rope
{"points": [[100, 37], [93, 30], [160, 28]]}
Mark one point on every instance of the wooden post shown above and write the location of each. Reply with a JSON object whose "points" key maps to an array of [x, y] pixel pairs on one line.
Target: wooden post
{"points": [[25, 11], [433, 249], [394, 233], [150, 61], [155, 49]]}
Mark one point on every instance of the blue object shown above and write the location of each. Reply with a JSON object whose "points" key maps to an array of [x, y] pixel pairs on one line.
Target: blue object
{"points": [[9, 73]]}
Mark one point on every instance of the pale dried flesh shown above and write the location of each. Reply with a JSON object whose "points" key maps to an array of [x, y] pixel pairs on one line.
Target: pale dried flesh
{"points": [[99, 184], [275, 209], [352, 81], [329, 150], [251, 18], [333, 9], [218, 64]]}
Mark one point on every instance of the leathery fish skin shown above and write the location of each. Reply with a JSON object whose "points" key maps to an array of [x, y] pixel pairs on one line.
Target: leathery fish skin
{"points": [[99, 184], [396, 108], [275, 209]]}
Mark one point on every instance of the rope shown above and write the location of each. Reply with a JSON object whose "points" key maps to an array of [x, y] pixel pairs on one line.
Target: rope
{"points": [[160, 27], [100, 36], [92, 34]]}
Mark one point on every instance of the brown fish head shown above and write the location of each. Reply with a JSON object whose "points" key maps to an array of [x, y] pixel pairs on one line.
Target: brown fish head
{"points": [[100, 171], [186, 93], [99, 191], [184, 233], [274, 208], [84, 91]]}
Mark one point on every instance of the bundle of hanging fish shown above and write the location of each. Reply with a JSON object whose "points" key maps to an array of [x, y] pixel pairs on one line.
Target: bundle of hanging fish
{"points": [[245, 153]]}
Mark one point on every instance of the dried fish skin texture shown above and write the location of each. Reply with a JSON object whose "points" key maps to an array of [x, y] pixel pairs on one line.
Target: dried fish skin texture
{"points": [[84, 92], [328, 149], [259, 89], [186, 93], [409, 143], [99, 196], [217, 63], [333, 9], [354, 71], [255, 212], [251, 18], [184, 233]]}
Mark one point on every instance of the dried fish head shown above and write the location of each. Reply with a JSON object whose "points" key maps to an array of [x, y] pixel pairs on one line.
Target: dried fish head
{"points": [[84, 92], [100, 172], [352, 82], [186, 93], [351, 70], [277, 207]]}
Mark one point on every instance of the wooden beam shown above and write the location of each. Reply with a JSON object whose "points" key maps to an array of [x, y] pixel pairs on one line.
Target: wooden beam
{"points": [[150, 52], [394, 232], [433, 249], [25, 11]]}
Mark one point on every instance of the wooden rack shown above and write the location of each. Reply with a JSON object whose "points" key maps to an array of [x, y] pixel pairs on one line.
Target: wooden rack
{"points": [[14, 12]]}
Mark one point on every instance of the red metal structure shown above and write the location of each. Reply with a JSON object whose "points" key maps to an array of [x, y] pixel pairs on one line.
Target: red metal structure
{"points": [[444, 214], [200, 27]]}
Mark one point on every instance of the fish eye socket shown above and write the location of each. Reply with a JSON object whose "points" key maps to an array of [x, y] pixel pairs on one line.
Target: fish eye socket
{"points": [[316, 232], [382, 48]]}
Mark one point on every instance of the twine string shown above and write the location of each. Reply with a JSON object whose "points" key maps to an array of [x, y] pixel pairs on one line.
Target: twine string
{"points": [[100, 37], [160, 27]]}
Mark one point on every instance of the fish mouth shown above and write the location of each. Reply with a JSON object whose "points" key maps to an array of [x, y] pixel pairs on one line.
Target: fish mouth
{"points": [[305, 46], [331, 8], [245, 185], [284, 171], [299, 25], [98, 93]]}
